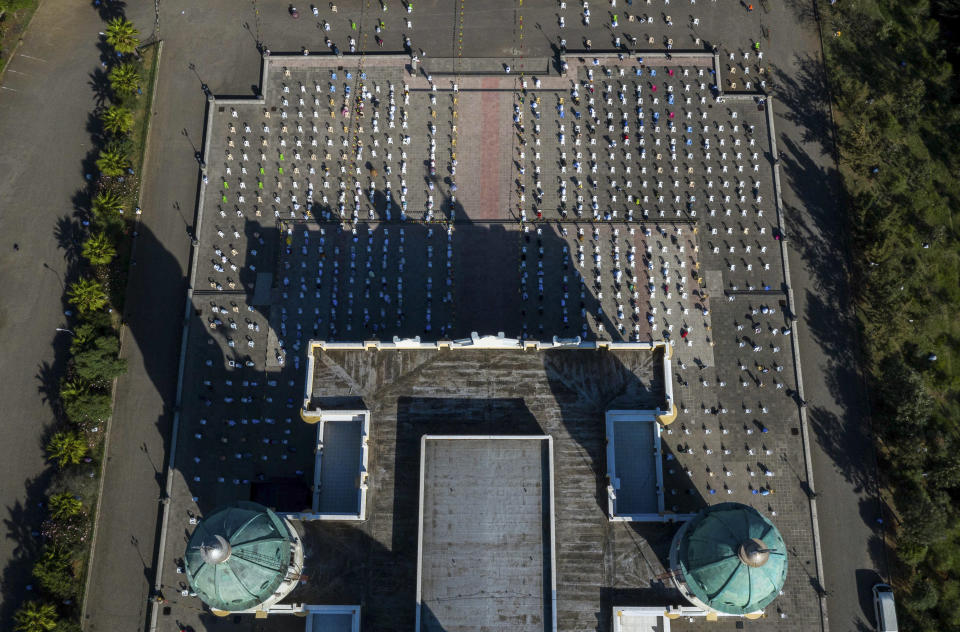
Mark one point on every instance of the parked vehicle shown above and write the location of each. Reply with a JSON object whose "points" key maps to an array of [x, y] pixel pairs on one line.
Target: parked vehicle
{"points": [[883, 608]]}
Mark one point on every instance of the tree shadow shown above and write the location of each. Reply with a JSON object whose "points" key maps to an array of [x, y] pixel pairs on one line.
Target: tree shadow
{"points": [[69, 234], [49, 375], [100, 84], [803, 89], [82, 199], [107, 55], [845, 444], [805, 11], [109, 9], [95, 128], [20, 526]]}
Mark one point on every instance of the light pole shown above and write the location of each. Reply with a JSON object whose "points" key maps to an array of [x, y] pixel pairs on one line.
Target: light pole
{"points": [[66, 330]]}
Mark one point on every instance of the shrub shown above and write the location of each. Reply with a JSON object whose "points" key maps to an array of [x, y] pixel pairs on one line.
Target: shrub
{"points": [[54, 573], [67, 447], [87, 295], [106, 210], [125, 79], [64, 506], [35, 616], [98, 249], [67, 534], [113, 160], [98, 362], [122, 35], [68, 625], [88, 409], [117, 120]]}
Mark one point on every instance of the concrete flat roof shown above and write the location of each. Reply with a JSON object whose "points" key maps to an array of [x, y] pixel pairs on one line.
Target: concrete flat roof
{"points": [[636, 468], [640, 619], [323, 622], [340, 466], [485, 559]]}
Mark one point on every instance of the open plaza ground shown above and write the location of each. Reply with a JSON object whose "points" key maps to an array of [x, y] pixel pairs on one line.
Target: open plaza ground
{"points": [[361, 199]]}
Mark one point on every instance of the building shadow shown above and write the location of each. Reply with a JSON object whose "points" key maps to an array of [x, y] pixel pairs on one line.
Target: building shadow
{"points": [[378, 556]]}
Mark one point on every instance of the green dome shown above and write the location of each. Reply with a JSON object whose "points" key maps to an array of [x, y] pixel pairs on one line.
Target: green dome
{"points": [[732, 558], [238, 556]]}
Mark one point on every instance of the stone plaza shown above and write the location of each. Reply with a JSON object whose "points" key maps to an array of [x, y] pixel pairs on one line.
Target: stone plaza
{"points": [[601, 198]]}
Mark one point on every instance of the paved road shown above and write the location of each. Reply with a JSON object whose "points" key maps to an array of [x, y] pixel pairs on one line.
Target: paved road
{"points": [[45, 141], [844, 462], [214, 38]]}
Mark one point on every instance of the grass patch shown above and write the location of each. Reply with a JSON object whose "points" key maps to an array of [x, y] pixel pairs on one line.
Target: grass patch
{"points": [[141, 109], [140, 105], [13, 24]]}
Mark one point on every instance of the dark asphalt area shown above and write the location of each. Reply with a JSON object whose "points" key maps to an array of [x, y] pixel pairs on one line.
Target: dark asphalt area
{"points": [[45, 102]]}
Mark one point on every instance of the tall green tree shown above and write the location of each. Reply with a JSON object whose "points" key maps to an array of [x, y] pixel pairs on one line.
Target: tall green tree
{"points": [[87, 295], [35, 616], [92, 326], [86, 409], [117, 119], [98, 249], [67, 447], [122, 35], [124, 79], [98, 362], [54, 573]]}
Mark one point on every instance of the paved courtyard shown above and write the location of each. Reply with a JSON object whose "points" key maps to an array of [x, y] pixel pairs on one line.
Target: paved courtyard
{"points": [[615, 199]]}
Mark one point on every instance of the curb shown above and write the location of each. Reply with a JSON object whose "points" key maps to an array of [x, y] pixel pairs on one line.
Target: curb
{"points": [[123, 330], [805, 434]]}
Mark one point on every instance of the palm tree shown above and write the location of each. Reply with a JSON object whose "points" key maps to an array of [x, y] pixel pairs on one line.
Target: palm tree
{"points": [[106, 202], [71, 389], [113, 160], [122, 35], [106, 208], [117, 120], [35, 616], [67, 447], [124, 79], [99, 249], [87, 295], [64, 506]]}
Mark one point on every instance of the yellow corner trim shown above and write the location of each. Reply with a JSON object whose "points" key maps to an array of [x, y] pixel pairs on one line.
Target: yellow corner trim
{"points": [[309, 417], [668, 418]]}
